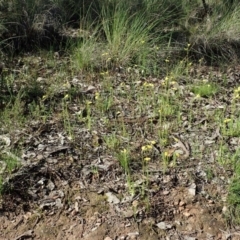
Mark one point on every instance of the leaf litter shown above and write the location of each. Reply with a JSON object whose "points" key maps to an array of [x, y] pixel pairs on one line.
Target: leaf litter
{"points": [[75, 187]]}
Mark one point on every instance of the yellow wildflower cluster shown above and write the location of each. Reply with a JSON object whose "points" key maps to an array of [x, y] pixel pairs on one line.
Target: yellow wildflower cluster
{"points": [[171, 154], [146, 149], [169, 81], [105, 54], [165, 81], [104, 73], [148, 85]]}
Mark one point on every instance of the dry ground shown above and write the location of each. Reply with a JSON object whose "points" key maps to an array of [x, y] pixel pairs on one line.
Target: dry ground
{"points": [[71, 184]]}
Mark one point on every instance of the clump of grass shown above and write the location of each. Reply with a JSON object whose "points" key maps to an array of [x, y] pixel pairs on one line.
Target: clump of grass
{"points": [[87, 54], [12, 116], [126, 35], [205, 89], [112, 141], [234, 197], [124, 160], [231, 127], [9, 162]]}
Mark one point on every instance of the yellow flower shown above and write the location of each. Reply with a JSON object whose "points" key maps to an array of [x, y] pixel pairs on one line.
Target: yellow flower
{"points": [[149, 147], [153, 142], [66, 96], [167, 154], [227, 120], [237, 90], [188, 45], [147, 159], [124, 151], [150, 85], [105, 54], [236, 96], [97, 94], [166, 60], [176, 154], [104, 73], [67, 85], [146, 148], [88, 102]]}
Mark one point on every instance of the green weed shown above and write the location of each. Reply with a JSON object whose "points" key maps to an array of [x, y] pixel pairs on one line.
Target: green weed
{"points": [[205, 89], [124, 160]]}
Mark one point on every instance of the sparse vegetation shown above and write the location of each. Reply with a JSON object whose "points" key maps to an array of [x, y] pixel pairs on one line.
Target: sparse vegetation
{"points": [[138, 99]]}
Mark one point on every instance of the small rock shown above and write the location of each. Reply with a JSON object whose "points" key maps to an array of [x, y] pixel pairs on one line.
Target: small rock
{"points": [[58, 203], [133, 235], [224, 209], [192, 189], [111, 198], [163, 226], [50, 185], [128, 213], [107, 238], [189, 238], [165, 192]]}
